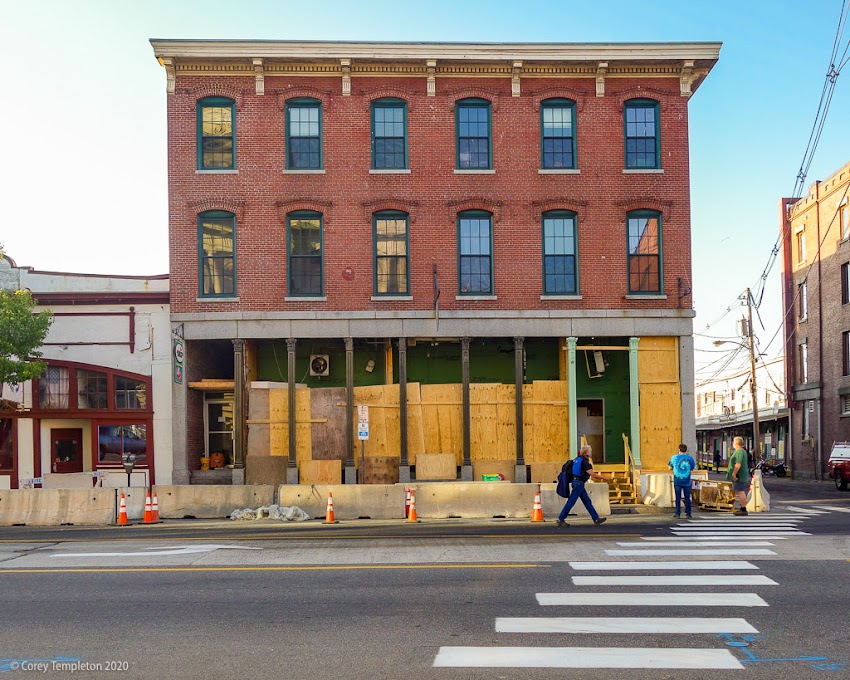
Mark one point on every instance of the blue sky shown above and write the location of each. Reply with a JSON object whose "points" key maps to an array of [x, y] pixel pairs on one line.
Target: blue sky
{"points": [[86, 183]]}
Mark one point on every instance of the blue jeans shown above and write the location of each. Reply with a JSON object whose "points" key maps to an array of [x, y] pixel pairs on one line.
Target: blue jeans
{"points": [[578, 492], [686, 492]]}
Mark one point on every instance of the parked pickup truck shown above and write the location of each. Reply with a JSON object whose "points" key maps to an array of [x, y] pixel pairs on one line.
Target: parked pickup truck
{"points": [[838, 466]]}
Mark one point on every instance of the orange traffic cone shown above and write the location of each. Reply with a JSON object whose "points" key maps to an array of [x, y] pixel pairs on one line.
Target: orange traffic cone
{"points": [[155, 508], [329, 514], [411, 511], [407, 502], [537, 511], [122, 513], [148, 519]]}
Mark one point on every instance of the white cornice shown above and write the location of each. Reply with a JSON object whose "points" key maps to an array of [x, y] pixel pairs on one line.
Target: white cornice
{"points": [[583, 52]]}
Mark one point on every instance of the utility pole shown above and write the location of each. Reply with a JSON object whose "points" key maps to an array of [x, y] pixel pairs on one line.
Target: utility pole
{"points": [[753, 387]]}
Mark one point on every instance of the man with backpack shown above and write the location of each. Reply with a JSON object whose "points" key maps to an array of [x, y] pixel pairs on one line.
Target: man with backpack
{"points": [[582, 470]]}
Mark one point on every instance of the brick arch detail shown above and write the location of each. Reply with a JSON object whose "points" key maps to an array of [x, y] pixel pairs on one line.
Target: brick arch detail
{"points": [[492, 96], [299, 204], [476, 203], [639, 92], [217, 90], [390, 203], [647, 203], [578, 97], [299, 91], [225, 204], [577, 206], [373, 95]]}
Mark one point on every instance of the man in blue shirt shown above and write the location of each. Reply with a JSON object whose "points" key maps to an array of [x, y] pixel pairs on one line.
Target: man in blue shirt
{"points": [[582, 472], [681, 464]]}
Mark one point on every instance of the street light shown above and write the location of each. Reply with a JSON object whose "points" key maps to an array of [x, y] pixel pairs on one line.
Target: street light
{"points": [[753, 388]]}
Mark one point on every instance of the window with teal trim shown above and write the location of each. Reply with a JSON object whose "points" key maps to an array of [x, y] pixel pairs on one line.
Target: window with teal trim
{"points": [[475, 253], [304, 134], [474, 139], [644, 238], [559, 253], [217, 251], [304, 253], [389, 134], [643, 138], [216, 134], [557, 132], [391, 246]]}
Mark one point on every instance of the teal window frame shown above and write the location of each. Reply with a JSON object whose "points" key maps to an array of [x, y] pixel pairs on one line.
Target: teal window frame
{"points": [[640, 255], [215, 103], [213, 266], [466, 260], [553, 245], [382, 105], [303, 103], [389, 258], [461, 108], [561, 105], [635, 134], [292, 256]]}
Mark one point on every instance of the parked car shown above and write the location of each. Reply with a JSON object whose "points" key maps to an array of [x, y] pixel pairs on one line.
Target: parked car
{"points": [[838, 466]]}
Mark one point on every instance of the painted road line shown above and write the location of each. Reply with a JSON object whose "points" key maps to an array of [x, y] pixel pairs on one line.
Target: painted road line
{"points": [[585, 599], [676, 580], [642, 566], [804, 511], [753, 534], [683, 552], [621, 624], [585, 657], [319, 567], [832, 507], [687, 541], [719, 539], [148, 552]]}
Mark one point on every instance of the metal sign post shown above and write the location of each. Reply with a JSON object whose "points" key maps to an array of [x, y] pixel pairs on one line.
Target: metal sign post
{"points": [[362, 435]]}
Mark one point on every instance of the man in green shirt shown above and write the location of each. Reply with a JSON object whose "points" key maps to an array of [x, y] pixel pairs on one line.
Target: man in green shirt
{"points": [[738, 472]]}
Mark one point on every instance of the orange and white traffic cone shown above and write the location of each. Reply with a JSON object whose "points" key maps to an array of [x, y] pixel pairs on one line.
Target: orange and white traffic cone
{"points": [[537, 511], [407, 502], [155, 508], [122, 513], [148, 519], [411, 511], [329, 514]]}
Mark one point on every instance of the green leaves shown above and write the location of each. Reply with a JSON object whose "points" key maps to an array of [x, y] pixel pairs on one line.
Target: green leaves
{"points": [[22, 333]]}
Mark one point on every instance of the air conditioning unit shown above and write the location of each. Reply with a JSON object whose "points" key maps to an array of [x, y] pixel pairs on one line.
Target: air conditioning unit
{"points": [[320, 365]]}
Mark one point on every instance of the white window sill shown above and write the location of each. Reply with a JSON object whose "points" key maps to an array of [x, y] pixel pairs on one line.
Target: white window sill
{"points": [[476, 297], [475, 172], [400, 171], [317, 298], [217, 299], [560, 297], [391, 298], [648, 296], [558, 171], [303, 172], [216, 172], [643, 171]]}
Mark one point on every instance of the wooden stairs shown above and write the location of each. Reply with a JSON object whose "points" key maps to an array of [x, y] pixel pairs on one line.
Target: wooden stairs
{"points": [[621, 491]]}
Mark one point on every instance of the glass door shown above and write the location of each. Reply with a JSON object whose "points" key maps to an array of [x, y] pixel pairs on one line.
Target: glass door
{"points": [[218, 427]]}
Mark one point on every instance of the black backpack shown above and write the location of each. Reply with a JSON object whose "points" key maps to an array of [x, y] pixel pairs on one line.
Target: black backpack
{"points": [[565, 478]]}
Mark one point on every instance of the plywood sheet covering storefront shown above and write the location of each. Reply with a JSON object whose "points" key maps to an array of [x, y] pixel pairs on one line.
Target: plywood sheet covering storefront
{"points": [[279, 423], [660, 401]]}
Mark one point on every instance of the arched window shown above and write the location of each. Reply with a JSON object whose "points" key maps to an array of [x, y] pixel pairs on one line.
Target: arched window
{"points": [[474, 134], [475, 252], [389, 134], [644, 248], [557, 134], [216, 134], [303, 134], [560, 253], [217, 254], [391, 252], [304, 253], [642, 133]]}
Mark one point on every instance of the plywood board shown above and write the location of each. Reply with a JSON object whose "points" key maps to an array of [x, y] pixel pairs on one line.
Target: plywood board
{"points": [[544, 473], [373, 397], [660, 424], [320, 472], [442, 419], [484, 422], [303, 426], [381, 470], [658, 360], [279, 425], [435, 466], [415, 429], [328, 438], [549, 404]]}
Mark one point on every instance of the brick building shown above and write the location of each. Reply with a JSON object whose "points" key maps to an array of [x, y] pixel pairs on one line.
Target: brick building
{"points": [[467, 225], [816, 302]]}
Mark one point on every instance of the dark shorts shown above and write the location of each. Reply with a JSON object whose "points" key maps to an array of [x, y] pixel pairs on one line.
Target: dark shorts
{"points": [[741, 486]]}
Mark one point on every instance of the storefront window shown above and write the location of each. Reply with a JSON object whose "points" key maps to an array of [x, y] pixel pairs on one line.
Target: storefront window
{"points": [[129, 393], [117, 441], [53, 388], [91, 389], [6, 453]]}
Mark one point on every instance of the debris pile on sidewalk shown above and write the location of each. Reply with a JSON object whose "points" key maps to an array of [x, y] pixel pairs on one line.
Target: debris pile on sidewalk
{"points": [[287, 514]]}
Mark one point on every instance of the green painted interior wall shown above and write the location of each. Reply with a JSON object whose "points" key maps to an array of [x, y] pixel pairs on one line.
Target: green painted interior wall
{"points": [[272, 362], [613, 387]]}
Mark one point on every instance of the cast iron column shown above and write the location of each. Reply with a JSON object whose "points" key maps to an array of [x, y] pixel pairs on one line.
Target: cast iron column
{"points": [[518, 381], [349, 402], [467, 415], [238, 404], [290, 378], [402, 401]]}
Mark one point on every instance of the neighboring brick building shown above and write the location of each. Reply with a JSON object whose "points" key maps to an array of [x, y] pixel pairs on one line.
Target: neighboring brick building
{"points": [[816, 302], [354, 214]]}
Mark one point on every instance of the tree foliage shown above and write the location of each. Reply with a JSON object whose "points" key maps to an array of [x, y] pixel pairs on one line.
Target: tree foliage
{"points": [[22, 333]]}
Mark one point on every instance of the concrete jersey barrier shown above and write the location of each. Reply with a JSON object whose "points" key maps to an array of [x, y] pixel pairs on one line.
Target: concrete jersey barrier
{"points": [[54, 507]]}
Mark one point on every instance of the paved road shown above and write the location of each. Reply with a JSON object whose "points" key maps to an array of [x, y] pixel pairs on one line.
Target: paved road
{"points": [[443, 600]]}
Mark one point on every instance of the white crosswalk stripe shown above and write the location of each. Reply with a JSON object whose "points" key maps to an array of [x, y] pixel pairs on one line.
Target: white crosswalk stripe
{"points": [[676, 580], [719, 539], [662, 566], [691, 542], [751, 534], [804, 511], [622, 624], [602, 599], [832, 507], [686, 552]]}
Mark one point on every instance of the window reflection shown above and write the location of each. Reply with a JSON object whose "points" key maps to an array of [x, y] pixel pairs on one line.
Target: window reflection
{"points": [[116, 441]]}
